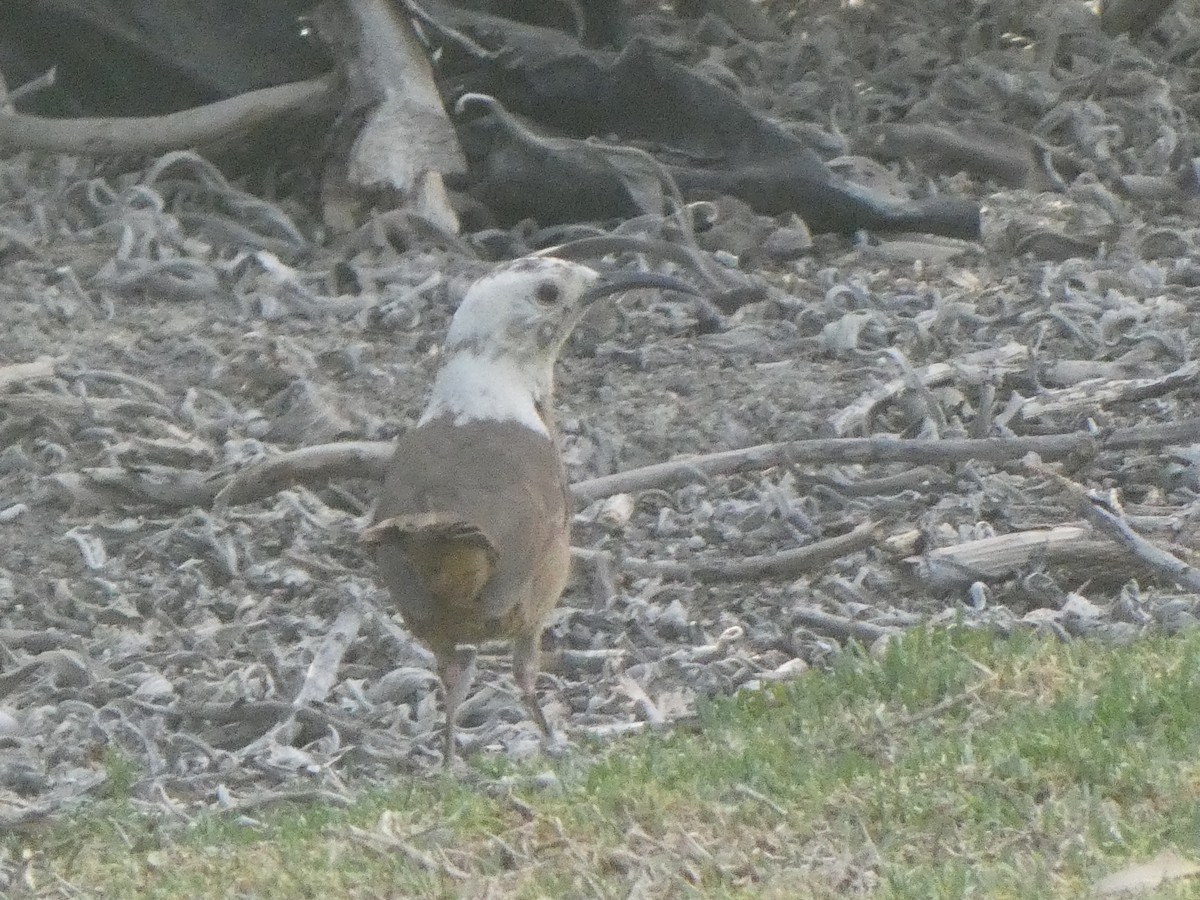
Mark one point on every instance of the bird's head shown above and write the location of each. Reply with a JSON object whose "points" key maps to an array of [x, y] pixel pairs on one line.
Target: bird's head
{"points": [[508, 331], [524, 310]]}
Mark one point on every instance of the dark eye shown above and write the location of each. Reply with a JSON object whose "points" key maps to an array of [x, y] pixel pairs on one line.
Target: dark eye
{"points": [[547, 293]]}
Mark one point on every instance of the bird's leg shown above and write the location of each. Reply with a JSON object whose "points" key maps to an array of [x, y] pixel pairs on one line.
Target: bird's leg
{"points": [[527, 651], [456, 668]]}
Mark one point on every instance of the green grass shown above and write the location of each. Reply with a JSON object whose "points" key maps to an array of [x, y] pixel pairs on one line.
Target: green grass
{"points": [[958, 765]]}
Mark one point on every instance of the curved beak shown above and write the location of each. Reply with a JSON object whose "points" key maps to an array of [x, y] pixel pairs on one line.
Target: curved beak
{"points": [[617, 282]]}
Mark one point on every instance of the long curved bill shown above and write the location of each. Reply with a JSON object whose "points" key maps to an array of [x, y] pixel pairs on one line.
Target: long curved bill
{"points": [[617, 282]]}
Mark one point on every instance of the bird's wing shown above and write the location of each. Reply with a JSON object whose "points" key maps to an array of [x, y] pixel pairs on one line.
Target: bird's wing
{"points": [[502, 483], [453, 557]]}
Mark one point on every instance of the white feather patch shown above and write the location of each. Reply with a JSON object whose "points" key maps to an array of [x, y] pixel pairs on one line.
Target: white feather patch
{"points": [[472, 388], [504, 299]]}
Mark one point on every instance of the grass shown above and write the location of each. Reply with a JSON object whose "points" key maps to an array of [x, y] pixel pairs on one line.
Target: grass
{"points": [[958, 765]]}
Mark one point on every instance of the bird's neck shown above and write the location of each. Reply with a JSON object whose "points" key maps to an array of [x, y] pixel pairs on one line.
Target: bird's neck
{"points": [[471, 387]]}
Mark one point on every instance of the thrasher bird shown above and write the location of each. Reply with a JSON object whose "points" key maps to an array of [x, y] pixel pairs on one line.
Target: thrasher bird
{"points": [[473, 523]]}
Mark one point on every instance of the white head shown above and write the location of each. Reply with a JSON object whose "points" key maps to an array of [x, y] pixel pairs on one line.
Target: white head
{"points": [[507, 333], [504, 339], [524, 311]]}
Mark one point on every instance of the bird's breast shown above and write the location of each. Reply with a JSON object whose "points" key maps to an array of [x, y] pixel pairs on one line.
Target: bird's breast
{"points": [[474, 386]]}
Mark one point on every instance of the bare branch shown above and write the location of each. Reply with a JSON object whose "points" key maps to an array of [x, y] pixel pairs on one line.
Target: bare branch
{"points": [[308, 465], [786, 564], [222, 120], [1108, 518]]}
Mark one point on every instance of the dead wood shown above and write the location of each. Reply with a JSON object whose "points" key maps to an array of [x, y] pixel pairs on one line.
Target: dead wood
{"points": [[986, 559], [1106, 515], [264, 713], [972, 368], [308, 465], [101, 488], [872, 739], [1068, 372], [1154, 557], [686, 255], [266, 799], [922, 478], [1008, 157], [68, 407], [123, 623], [383, 840], [835, 450], [318, 465], [593, 661], [38, 641], [645, 707], [69, 667], [784, 564], [323, 670], [882, 450], [6, 100], [217, 122], [1099, 393], [407, 143], [1184, 431]]}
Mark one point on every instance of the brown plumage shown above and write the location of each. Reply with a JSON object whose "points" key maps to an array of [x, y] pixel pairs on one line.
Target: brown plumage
{"points": [[473, 543], [472, 528]]}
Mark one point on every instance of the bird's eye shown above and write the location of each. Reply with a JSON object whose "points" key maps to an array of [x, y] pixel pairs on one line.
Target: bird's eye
{"points": [[547, 293]]}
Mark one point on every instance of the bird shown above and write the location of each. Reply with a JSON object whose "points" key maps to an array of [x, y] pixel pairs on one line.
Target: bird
{"points": [[471, 534]]}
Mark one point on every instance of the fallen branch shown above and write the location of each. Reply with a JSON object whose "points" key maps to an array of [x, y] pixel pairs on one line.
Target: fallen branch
{"points": [[39, 641], [882, 450], [1156, 558], [1107, 517], [871, 739], [101, 488], [838, 450], [385, 841], [323, 670], [784, 564], [200, 125], [288, 795], [368, 459], [995, 557], [266, 713], [973, 368], [63, 405], [1097, 393], [320, 464], [1185, 431], [308, 465]]}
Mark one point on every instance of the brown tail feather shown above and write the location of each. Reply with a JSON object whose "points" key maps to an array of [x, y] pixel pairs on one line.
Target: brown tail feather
{"points": [[454, 558]]}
